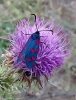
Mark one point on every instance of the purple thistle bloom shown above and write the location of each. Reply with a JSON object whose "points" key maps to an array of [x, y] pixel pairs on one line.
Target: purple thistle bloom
{"points": [[48, 58]]}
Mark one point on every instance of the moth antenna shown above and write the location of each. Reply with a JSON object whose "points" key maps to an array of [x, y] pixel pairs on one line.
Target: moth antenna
{"points": [[35, 21], [45, 44], [26, 34]]}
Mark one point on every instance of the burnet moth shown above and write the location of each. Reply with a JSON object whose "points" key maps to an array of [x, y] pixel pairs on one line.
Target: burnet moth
{"points": [[31, 48]]}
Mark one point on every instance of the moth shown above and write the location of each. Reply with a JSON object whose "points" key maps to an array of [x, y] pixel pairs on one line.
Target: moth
{"points": [[31, 48]]}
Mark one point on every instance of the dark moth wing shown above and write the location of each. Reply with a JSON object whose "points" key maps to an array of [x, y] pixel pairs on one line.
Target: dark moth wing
{"points": [[29, 53], [31, 57]]}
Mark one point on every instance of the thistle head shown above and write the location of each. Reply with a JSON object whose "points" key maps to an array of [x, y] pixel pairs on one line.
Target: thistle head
{"points": [[47, 59]]}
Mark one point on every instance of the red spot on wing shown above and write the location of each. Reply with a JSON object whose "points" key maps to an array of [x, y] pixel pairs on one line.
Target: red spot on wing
{"points": [[37, 41], [32, 50], [29, 59], [33, 58], [20, 54], [29, 38], [23, 60], [24, 47], [37, 50]]}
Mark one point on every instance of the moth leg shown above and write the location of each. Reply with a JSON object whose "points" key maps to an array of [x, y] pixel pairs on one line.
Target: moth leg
{"points": [[27, 34], [45, 44], [43, 36], [47, 30]]}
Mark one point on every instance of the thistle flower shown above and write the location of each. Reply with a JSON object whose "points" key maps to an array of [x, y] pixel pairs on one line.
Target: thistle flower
{"points": [[51, 55]]}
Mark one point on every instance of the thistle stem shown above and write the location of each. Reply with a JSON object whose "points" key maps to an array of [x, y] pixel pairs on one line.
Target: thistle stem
{"points": [[2, 38]]}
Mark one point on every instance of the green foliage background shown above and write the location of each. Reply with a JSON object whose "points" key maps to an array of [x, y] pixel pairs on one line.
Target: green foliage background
{"points": [[62, 11]]}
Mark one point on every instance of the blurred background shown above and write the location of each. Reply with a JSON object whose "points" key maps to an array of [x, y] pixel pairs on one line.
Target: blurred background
{"points": [[63, 12]]}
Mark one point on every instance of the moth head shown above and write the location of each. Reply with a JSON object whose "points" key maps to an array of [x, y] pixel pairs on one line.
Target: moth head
{"points": [[36, 35]]}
